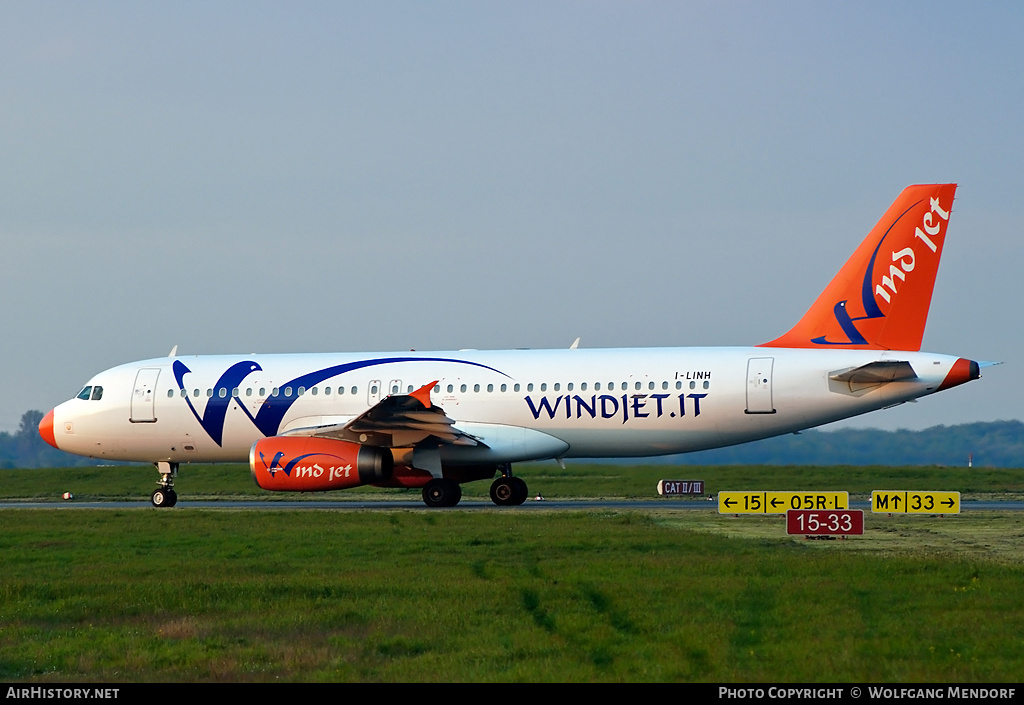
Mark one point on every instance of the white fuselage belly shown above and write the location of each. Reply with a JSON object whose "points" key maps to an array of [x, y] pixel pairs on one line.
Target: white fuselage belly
{"points": [[554, 403]]}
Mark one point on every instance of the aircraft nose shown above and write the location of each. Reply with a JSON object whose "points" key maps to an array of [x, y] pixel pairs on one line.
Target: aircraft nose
{"points": [[46, 429]]}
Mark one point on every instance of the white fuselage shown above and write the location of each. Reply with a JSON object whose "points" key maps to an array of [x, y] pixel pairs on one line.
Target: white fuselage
{"points": [[520, 404]]}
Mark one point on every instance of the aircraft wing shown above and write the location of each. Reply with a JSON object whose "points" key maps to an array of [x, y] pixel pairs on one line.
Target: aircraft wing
{"points": [[400, 420]]}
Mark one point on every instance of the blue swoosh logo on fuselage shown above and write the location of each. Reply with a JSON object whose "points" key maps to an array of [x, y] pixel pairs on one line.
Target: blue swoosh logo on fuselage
{"points": [[272, 411]]}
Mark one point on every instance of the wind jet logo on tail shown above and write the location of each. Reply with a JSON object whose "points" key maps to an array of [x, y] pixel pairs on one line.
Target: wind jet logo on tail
{"points": [[902, 263], [880, 298]]}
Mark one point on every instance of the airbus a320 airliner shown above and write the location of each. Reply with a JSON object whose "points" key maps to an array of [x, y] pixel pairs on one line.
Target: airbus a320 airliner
{"points": [[433, 420]]}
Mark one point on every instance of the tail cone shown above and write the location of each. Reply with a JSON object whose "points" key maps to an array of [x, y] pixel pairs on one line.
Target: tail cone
{"points": [[963, 370]]}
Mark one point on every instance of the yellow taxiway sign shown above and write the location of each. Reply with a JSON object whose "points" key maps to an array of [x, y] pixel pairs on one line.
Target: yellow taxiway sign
{"points": [[914, 502], [779, 502]]}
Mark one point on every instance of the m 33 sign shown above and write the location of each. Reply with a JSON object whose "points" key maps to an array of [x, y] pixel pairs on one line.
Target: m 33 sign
{"points": [[914, 502]]}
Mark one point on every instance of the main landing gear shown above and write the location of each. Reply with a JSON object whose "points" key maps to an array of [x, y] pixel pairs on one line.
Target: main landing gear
{"points": [[508, 491], [442, 492], [165, 496]]}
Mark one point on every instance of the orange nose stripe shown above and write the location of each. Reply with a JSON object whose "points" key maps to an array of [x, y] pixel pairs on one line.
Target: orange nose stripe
{"points": [[46, 429]]}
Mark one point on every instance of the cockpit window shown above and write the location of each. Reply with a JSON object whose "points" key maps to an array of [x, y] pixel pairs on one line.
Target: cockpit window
{"points": [[91, 392]]}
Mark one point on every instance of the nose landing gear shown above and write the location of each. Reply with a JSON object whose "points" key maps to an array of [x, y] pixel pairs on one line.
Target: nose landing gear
{"points": [[165, 496]]}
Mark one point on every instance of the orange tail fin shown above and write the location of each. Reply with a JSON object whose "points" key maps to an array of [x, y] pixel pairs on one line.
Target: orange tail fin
{"points": [[880, 298]]}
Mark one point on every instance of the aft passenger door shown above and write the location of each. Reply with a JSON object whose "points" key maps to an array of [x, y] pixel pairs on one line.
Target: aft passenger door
{"points": [[759, 385]]}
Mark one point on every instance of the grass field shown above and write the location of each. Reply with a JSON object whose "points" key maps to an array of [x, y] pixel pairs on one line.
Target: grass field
{"points": [[505, 594]]}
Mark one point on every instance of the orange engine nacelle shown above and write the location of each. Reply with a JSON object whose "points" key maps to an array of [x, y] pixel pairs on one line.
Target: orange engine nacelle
{"points": [[302, 464]]}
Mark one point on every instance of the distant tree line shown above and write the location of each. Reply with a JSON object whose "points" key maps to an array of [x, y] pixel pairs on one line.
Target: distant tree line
{"points": [[26, 449], [998, 444], [995, 444]]}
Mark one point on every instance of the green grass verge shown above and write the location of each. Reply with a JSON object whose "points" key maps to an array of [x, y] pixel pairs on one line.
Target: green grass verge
{"points": [[503, 595]]}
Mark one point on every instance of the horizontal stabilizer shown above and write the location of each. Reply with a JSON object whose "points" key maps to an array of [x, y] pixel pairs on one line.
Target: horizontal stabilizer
{"points": [[880, 372]]}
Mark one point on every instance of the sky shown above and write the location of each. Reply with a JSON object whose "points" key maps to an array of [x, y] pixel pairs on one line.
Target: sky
{"points": [[238, 177]]}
